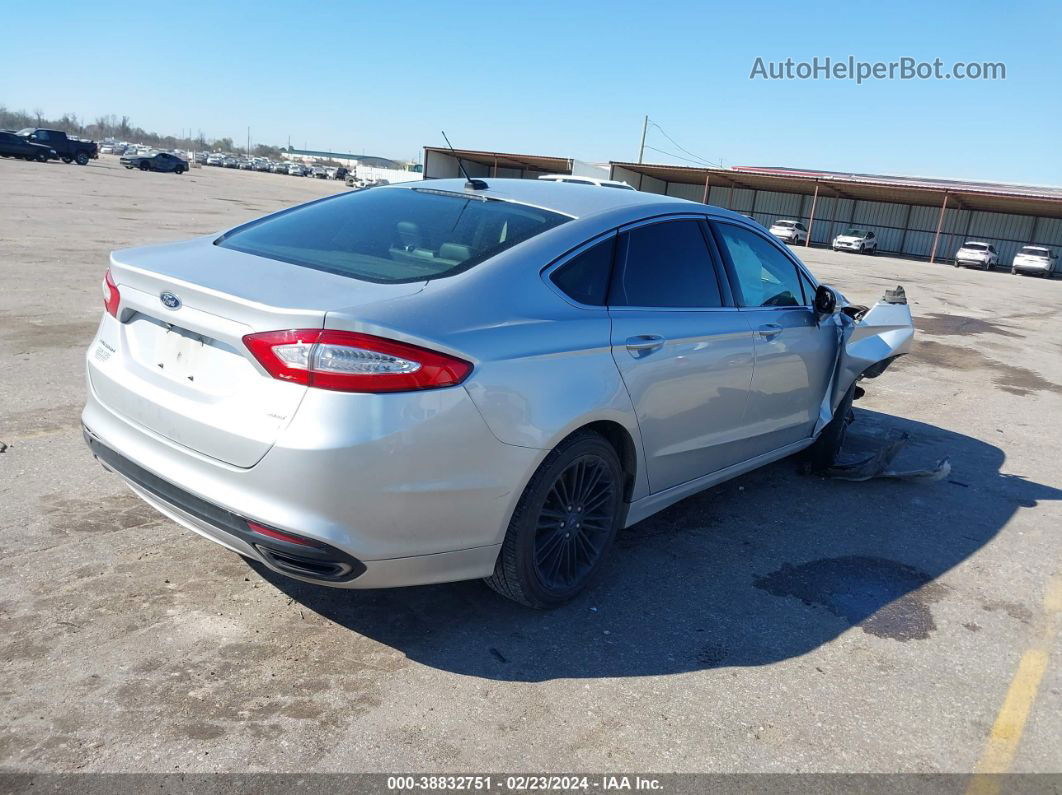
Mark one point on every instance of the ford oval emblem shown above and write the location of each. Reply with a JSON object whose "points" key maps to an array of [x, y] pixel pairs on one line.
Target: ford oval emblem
{"points": [[170, 301]]}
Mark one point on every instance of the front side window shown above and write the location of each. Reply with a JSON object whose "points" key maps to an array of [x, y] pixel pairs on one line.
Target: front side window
{"points": [[665, 265], [394, 235], [765, 276]]}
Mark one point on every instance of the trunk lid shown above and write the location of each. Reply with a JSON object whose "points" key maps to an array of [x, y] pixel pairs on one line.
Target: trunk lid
{"points": [[176, 363]]}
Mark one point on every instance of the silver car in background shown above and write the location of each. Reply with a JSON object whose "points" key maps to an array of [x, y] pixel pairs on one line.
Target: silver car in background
{"points": [[444, 380]]}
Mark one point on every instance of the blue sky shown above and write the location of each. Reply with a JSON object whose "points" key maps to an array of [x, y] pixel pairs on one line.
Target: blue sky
{"points": [[570, 79]]}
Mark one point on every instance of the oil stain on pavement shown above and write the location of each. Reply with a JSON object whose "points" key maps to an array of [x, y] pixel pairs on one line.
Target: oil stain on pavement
{"points": [[883, 597]]}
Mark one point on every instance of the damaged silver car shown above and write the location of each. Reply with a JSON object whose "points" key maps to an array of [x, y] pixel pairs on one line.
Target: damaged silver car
{"points": [[450, 380]]}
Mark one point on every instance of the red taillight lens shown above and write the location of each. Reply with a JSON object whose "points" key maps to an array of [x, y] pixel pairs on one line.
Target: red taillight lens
{"points": [[111, 297], [279, 535], [349, 362]]}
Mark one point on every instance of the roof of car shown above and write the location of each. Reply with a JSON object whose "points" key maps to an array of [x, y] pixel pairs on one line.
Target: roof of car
{"points": [[568, 198]]}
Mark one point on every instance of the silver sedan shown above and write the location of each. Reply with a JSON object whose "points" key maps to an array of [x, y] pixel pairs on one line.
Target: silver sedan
{"points": [[445, 380]]}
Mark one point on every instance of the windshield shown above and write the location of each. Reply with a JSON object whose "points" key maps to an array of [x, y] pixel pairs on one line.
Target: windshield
{"points": [[975, 246], [1034, 251], [24, 131], [785, 223], [392, 235], [855, 233]]}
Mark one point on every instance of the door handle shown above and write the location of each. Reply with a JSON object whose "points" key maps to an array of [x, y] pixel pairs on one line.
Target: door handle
{"points": [[769, 331], [644, 343]]}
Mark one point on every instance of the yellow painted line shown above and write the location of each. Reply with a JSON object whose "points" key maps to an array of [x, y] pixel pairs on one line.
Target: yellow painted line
{"points": [[1002, 745]]}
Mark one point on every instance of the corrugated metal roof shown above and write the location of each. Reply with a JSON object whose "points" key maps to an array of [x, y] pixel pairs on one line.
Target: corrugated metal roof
{"points": [[990, 197], [553, 165]]}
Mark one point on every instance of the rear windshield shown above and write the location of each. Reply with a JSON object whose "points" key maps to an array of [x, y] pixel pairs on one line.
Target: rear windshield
{"points": [[1034, 251], [393, 235], [974, 246]]}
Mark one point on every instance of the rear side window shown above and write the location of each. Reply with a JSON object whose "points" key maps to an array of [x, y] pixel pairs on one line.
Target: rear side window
{"points": [[665, 265], [393, 235], [765, 276], [584, 278]]}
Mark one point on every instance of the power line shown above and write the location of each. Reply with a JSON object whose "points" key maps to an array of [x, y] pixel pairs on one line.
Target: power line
{"points": [[679, 157], [692, 157]]}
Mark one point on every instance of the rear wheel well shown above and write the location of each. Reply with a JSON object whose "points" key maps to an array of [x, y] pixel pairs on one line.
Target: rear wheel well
{"points": [[621, 441]]}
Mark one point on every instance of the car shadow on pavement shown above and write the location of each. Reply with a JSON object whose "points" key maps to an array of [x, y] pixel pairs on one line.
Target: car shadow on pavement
{"points": [[763, 568]]}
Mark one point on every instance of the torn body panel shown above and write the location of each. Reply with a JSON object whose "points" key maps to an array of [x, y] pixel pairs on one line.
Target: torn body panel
{"points": [[869, 340]]}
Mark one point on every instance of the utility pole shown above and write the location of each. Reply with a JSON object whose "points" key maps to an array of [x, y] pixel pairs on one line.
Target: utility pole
{"points": [[641, 149]]}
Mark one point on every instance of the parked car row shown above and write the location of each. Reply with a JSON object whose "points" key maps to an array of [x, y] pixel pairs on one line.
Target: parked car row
{"points": [[1031, 259], [243, 163]]}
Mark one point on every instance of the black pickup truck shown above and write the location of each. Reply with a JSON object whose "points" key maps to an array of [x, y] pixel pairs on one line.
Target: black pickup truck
{"points": [[69, 149]]}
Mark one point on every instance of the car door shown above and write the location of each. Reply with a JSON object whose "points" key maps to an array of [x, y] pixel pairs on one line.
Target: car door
{"points": [[794, 353], [684, 351]]}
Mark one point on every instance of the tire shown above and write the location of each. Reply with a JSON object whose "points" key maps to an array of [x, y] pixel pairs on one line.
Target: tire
{"points": [[145, 167], [67, 159], [129, 167], [81, 158], [41, 157], [823, 453], [178, 170], [542, 563]]}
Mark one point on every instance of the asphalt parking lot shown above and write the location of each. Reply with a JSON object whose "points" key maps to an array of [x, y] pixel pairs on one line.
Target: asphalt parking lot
{"points": [[780, 622]]}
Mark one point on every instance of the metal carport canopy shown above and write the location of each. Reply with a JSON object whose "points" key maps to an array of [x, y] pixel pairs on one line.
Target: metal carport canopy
{"points": [[988, 197], [545, 163]]}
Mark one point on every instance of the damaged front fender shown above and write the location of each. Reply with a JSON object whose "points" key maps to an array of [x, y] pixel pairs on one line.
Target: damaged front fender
{"points": [[868, 341]]}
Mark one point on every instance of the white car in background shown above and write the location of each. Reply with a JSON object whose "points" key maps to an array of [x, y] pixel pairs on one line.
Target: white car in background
{"points": [[601, 183], [977, 253], [1034, 261], [859, 240], [789, 231]]}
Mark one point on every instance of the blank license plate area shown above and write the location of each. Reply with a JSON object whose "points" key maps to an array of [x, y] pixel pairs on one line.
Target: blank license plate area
{"points": [[194, 360], [180, 354]]}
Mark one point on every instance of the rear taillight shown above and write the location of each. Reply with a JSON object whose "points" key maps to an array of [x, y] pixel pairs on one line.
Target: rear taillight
{"points": [[111, 297], [350, 362]]}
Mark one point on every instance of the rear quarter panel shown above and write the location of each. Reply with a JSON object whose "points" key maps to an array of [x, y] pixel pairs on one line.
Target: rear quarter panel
{"points": [[543, 366]]}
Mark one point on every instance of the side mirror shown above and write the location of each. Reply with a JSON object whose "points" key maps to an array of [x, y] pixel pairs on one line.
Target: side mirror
{"points": [[825, 300]]}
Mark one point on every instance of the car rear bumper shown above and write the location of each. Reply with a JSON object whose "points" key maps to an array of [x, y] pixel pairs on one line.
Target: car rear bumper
{"points": [[420, 495]]}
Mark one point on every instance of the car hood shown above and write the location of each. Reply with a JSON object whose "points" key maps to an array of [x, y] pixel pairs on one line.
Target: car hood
{"points": [[848, 239]]}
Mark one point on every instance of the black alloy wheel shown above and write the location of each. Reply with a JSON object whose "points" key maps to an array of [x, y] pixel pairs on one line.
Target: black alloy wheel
{"points": [[575, 523], [563, 525]]}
